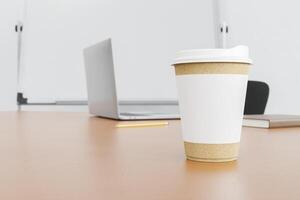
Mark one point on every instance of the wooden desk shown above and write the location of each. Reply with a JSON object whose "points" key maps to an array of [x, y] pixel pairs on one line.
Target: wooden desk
{"points": [[73, 156]]}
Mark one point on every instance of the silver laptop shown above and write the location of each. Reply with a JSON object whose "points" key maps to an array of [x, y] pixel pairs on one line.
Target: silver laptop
{"points": [[102, 92]]}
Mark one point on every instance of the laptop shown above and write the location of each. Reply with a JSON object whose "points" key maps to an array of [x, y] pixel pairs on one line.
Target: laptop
{"points": [[102, 90]]}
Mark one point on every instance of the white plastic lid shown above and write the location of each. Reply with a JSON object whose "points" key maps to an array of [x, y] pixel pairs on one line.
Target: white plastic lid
{"points": [[237, 54]]}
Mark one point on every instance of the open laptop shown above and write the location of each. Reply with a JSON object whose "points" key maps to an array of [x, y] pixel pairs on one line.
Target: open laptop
{"points": [[102, 92]]}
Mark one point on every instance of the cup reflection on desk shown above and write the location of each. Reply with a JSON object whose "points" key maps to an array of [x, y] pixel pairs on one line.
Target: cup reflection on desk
{"points": [[212, 86]]}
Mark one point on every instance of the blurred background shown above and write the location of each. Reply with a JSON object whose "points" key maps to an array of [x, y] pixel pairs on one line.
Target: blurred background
{"points": [[44, 60]]}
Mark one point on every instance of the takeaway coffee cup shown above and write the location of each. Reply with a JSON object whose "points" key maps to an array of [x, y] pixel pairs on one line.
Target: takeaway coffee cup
{"points": [[212, 87]]}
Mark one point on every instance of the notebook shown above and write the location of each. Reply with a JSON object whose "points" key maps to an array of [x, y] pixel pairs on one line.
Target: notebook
{"points": [[271, 121]]}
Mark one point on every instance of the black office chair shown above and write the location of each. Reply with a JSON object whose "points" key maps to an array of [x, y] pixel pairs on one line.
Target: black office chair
{"points": [[256, 97]]}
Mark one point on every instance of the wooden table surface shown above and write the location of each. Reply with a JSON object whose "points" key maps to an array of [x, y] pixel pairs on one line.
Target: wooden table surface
{"points": [[74, 156]]}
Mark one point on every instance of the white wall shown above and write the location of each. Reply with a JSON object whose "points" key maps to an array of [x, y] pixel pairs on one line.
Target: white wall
{"points": [[270, 28], [272, 31], [8, 54]]}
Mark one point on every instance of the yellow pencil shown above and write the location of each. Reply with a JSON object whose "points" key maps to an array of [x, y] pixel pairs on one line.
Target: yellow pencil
{"points": [[142, 124]]}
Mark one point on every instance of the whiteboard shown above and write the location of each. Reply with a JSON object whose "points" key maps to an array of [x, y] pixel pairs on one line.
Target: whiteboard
{"points": [[145, 34], [271, 29], [8, 55]]}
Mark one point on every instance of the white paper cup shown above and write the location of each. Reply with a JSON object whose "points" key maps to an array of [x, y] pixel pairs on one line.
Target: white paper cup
{"points": [[212, 87]]}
